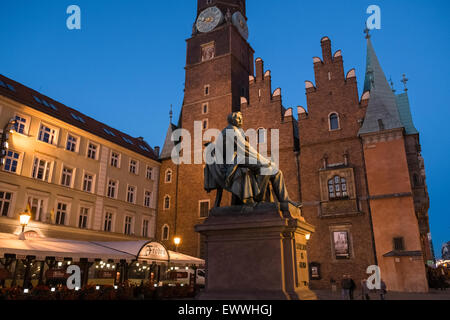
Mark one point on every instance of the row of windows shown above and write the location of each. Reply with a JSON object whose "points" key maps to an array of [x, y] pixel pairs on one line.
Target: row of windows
{"points": [[42, 168], [60, 216], [48, 134]]}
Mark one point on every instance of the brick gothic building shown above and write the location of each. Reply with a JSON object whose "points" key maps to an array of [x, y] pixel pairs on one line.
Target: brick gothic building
{"points": [[354, 162]]}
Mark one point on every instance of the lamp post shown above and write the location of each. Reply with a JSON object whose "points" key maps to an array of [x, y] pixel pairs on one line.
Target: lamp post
{"points": [[177, 241], [24, 220], [7, 129]]}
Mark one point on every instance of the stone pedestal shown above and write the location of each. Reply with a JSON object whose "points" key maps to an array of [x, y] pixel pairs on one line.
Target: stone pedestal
{"points": [[256, 254]]}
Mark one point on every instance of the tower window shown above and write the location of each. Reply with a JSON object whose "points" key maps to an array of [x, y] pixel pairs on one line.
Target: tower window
{"points": [[165, 233], [399, 244], [205, 108], [167, 202], [337, 188], [207, 90], [205, 124], [334, 122], [168, 178]]}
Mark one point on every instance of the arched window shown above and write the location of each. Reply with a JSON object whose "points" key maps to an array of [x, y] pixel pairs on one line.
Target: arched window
{"points": [[337, 188], [334, 122], [168, 176], [165, 233], [166, 202]]}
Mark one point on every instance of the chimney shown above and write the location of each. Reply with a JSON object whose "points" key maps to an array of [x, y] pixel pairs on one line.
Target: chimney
{"points": [[157, 151]]}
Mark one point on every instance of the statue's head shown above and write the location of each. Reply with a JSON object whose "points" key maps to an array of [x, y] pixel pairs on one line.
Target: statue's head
{"points": [[236, 119]]}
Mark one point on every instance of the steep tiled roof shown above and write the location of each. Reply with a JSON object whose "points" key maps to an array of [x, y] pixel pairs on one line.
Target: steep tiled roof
{"points": [[168, 143], [382, 112], [22, 94], [405, 113]]}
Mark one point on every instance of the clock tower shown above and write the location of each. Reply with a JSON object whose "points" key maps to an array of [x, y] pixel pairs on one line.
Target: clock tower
{"points": [[218, 66]]}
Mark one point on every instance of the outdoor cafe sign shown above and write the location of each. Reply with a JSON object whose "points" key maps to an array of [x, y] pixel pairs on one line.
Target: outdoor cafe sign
{"points": [[154, 251]]}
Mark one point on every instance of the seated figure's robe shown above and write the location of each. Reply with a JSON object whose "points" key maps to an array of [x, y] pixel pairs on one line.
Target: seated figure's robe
{"points": [[245, 173]]}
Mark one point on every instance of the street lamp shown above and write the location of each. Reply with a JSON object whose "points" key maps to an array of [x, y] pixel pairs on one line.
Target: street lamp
{"points": [[177, 241], [24, 219]]}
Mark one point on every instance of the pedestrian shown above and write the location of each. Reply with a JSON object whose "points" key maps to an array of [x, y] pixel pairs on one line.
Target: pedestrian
{"points": [[365, 290], [345, 286], [352, 287], [383, 290]]}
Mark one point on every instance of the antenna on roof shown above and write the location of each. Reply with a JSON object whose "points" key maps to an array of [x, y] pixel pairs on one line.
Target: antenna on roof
{"points": [[171, 114], [405, 82]]}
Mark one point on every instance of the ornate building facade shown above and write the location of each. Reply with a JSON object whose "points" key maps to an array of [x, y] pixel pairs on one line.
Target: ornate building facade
{"points": [[352, 159]]}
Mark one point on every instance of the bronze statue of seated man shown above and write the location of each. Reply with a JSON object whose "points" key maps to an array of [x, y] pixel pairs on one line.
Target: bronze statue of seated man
{"points": [[237, 167]]}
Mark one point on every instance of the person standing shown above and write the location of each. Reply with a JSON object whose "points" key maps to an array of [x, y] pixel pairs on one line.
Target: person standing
{"points": [[364, 290], [352, 288], [383, 290], [345, 286]]}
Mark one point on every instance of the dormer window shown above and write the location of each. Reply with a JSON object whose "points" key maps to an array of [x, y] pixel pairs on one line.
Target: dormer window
{"points": [[334, 122]]}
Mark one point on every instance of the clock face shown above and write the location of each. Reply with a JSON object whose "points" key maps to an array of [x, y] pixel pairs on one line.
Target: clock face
{"points": [[241, 24], [209, 19]]}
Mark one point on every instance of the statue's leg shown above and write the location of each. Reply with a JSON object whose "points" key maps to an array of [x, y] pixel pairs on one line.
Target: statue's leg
{"points": [[218, 198], [279, 187]]}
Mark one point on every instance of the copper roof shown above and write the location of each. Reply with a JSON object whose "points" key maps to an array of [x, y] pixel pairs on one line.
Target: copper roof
{"points": [[27, 96]]}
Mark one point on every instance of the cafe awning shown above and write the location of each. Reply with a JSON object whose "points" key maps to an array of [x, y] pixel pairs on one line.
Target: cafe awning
{"points": [[42, 248]]}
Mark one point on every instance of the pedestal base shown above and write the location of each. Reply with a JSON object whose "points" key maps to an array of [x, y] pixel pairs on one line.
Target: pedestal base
{"points": [[256, 254]]}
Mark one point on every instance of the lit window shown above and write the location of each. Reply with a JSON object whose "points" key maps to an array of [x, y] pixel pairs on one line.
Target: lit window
{"points": [[66, 178], [92, 151], [204, 209], [83, 219], [131, 194], [334, 122], [337, 188], [41, 170], [88, 182], [166, 202], [5, 203], [61, 214], [147, 199], [165, 233], [145, 225], [112, 185], [72, 143], [128, 223], [341, 241], [20, 125], [115, 159], [108, 222], [47, 134], [11, 161], [37, 209]]}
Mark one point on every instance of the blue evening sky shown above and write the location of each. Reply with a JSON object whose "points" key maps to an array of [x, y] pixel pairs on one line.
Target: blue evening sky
{"points": [[126, 65]]}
